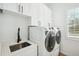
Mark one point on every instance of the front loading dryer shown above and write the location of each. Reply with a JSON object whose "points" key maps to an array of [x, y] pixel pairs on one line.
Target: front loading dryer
{"points": [[58, 41], [45, 40], [58, 36]]}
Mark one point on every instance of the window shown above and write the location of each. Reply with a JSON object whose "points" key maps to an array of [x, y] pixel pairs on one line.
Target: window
{"points": [[73, 22]]}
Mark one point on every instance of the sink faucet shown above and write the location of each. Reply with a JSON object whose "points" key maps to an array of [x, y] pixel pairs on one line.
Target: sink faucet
{"points": [[18, 34]]}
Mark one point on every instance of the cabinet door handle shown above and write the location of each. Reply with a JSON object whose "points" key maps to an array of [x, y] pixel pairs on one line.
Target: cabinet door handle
{"points": [[18, 8], [22, 9]]}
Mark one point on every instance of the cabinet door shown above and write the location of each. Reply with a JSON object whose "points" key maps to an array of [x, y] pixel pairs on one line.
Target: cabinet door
{"points": [[26, 8], [11, 6], [0, 5], [45, 15], [41, 15], [35, 13]]}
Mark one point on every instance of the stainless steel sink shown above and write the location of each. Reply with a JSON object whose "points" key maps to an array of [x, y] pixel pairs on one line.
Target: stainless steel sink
{"points": [[18, 46]]}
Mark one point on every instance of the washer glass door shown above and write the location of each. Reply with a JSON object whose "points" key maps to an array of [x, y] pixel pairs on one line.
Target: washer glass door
{"points": [[50, 41]]}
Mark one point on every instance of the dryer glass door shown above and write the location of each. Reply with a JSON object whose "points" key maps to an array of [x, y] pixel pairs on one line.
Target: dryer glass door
{"points": [[58, 37], [49, 42]]}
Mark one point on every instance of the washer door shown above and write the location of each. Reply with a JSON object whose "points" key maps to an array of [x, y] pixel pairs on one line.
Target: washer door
{"points": [[50, 41], [58, 37]]}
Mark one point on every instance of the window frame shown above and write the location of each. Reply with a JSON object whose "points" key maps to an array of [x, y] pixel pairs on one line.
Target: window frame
{"points": [[68, 13]]}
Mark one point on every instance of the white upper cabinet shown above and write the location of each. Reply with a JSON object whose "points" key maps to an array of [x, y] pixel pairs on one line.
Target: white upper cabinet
{"points": [[1, 5], [35, 13], [41, 14], [11, 7], [26, 7], [23, 8], [45, 15]]}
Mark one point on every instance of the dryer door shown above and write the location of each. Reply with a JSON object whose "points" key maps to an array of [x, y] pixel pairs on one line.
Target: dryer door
{"points": [[58, 37], [49, 41]]}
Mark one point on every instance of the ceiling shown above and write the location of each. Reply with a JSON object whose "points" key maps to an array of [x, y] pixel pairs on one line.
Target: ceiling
{"points": [[49, 5]]}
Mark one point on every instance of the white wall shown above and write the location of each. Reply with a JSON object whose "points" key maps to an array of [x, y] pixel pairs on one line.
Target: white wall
{"points": [[69, 46], [9, 23]]}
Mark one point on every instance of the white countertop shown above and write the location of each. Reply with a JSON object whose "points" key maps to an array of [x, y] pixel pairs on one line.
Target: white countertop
{"points": [[5, 50]]}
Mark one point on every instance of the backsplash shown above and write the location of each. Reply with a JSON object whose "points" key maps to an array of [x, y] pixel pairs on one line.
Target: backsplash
{"points": [[9, 23]]}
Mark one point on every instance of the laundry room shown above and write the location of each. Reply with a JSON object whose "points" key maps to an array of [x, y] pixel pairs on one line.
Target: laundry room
{"points": [[39, 29]]}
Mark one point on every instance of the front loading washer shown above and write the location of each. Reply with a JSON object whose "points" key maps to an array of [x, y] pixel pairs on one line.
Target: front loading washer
{"points": [[45, 40]]}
